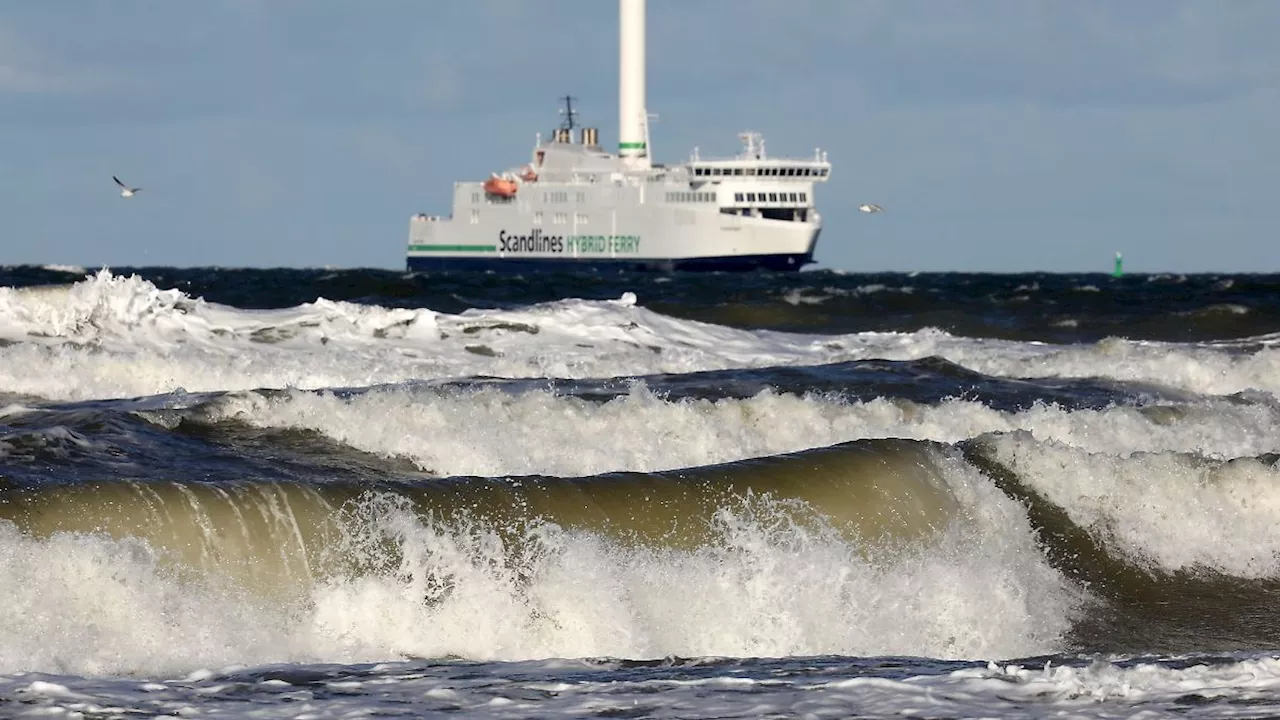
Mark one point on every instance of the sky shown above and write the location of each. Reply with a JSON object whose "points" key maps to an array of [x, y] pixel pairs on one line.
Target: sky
{"points": [[999, 135]]}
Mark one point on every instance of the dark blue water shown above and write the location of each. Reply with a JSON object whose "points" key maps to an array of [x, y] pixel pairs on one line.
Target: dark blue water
{"points": [[292, 476]]}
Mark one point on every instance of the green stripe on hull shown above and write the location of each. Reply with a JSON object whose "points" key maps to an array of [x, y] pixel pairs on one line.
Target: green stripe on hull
{"points": [[453, 248]]}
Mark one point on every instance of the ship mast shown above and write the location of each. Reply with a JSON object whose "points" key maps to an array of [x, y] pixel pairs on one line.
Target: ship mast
{"points": [[568, 112], [632, 116]]}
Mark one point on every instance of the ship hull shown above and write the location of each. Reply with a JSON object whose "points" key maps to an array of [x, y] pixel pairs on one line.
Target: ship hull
{"points": [[645, 238], [779, 262]]}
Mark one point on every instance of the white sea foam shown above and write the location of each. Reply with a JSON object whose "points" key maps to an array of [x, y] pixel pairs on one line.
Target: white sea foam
{"points": [[492, 432], [88, 605], [1215, 688], [1167, 510], [111, 336], [68, 269]]}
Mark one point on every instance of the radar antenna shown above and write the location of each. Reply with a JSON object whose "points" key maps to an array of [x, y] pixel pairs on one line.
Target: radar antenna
{"points": [[568, 112]]}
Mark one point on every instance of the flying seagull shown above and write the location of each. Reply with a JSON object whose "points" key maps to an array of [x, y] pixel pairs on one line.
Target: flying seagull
{"points": [[125, 190], [870, 208]]}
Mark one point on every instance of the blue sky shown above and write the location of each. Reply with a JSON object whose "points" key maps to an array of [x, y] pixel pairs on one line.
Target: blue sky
{"points": [[999, 135]]}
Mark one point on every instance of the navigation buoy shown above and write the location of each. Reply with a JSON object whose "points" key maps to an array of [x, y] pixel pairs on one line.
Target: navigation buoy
{"points": [[1119, 271]]}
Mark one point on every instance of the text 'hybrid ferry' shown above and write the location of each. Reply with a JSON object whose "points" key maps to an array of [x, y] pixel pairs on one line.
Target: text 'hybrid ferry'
{"points": [[574, 205]]}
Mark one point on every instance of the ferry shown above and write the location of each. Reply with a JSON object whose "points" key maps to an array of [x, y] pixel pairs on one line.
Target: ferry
{"points": [[574, 205]]}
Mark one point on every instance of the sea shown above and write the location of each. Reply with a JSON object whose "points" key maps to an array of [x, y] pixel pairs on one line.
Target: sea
{"points": [[319, 493]]}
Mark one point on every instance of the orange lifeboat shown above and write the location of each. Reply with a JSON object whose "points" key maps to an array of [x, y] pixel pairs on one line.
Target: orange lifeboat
{"points": [[500, 187]]}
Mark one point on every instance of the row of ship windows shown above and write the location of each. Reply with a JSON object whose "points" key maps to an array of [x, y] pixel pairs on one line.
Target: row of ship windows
{"points": [[690, 197], [558, 218], [547, 197], [767, 171], [674, 197], [771, 197]]}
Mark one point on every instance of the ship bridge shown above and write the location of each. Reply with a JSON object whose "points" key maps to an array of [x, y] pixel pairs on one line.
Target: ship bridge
{"points": [[753, 162], [756, 185]]}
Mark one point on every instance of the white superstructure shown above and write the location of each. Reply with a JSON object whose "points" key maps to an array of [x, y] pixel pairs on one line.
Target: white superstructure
{"points": [[576, 205]]}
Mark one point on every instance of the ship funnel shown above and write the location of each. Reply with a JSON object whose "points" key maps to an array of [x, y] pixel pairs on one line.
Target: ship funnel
{"points": [[590, 137], [632, 143]]}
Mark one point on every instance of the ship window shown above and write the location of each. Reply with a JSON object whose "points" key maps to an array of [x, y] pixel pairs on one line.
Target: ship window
{"points": [[804, 197], [537, 218], [737, 197], [773, 197], [737, 171], [475, 216], [751, 197]]}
